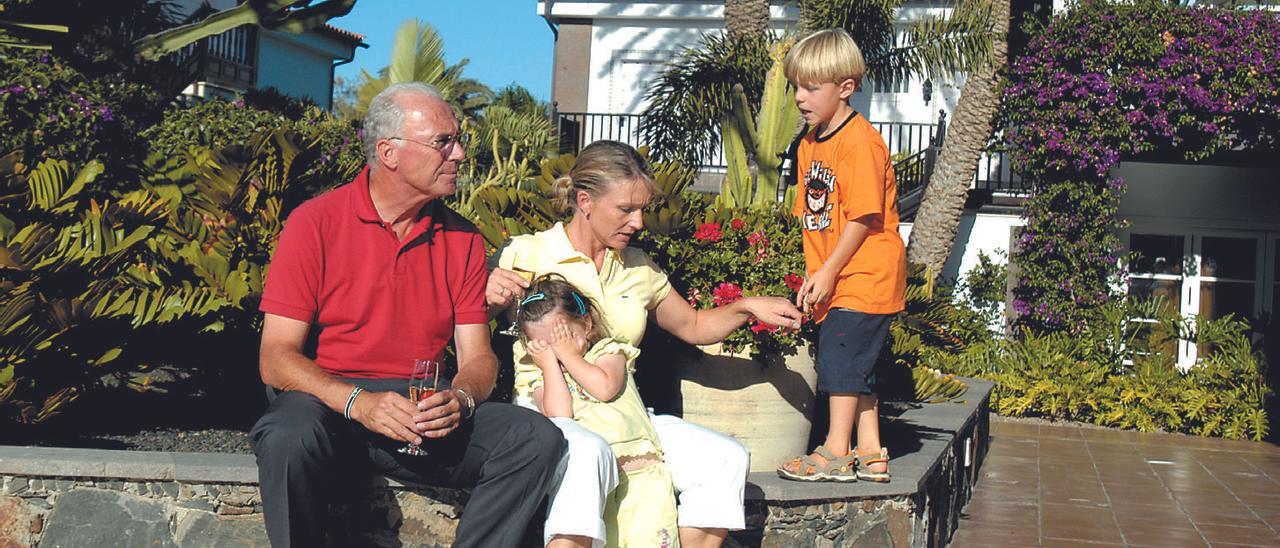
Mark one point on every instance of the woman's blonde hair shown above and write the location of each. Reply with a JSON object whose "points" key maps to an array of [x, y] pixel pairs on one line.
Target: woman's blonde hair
{"points": [[825, 56], [598, 167]]}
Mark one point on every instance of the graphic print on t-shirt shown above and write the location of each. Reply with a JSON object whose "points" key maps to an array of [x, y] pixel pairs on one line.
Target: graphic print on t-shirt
{"points": [[819, 183]]}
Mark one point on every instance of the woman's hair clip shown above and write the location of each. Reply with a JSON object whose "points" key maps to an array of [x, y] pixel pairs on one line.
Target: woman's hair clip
{"points": [[534, 297], [582, 307]]}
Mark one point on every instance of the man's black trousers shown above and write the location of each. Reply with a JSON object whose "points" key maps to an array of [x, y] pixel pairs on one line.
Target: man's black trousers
{"points": [[308, 454]]}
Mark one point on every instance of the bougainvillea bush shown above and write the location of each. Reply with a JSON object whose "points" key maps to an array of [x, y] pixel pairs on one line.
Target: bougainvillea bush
{"points": [[50, 110], [1104, 82], [734, 253]]}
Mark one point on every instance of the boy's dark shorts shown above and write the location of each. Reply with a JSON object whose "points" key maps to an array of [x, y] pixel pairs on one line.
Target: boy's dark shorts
{"points": [[850, 344]]}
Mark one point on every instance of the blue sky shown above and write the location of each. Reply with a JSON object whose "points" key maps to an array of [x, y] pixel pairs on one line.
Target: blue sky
{"points": [[506, 40]]}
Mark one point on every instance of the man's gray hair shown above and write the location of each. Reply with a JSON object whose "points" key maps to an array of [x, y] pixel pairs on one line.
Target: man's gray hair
{"points": [[385, 116]]}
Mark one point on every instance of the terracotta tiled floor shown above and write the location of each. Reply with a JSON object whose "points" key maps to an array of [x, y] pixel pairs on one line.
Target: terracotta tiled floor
{"points": [[1050, 485]]}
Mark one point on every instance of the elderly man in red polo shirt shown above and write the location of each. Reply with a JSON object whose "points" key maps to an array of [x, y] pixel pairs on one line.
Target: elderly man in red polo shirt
{"points": [[365, 279]]}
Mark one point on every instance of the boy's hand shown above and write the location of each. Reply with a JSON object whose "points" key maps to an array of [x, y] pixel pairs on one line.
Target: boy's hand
{"points": [[542, 355], [564, 343], [817, 289]]}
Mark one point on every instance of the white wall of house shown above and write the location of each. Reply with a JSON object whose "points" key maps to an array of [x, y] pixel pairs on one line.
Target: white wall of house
{"points": [[299, 65], [978, 233], [631, 41]]}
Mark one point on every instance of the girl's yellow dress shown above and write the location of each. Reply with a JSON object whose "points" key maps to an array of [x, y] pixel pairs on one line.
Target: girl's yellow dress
{"points": [[642, 510]]}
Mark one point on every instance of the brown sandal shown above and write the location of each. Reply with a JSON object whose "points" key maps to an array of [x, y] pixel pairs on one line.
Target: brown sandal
{"points": [[864, 466], [837, 469]]}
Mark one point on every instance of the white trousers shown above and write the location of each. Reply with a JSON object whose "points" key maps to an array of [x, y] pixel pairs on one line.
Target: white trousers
{"points": [[709, 470]]}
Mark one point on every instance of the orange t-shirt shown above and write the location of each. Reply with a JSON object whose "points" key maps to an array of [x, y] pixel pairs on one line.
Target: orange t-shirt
{"points": [[845, 176]]}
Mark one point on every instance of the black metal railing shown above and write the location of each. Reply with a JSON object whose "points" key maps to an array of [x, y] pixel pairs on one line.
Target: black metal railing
{"points": [[577, 129], [919, 141], [996, 175]]}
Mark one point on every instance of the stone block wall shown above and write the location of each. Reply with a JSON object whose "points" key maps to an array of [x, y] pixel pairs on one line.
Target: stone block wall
{"points": [[92, 498], [78, 512]]}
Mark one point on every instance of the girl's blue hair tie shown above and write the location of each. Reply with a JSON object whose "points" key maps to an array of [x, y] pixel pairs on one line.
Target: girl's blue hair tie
{"points": [[582, 306], [534, 297]]}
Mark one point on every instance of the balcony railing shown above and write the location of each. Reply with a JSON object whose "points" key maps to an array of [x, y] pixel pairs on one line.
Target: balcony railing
{"points": [[577, 129], [226, 60]]}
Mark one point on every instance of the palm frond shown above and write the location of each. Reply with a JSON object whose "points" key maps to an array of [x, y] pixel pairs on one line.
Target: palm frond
{"points": [[940, 46], [686, 103]]}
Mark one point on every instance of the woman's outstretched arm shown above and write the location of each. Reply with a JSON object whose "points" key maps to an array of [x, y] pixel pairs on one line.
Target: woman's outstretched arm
{"points": [[711, 326]]}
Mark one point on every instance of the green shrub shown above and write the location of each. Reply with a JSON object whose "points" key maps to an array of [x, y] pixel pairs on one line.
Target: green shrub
{"points": [[983, 287], [1121, 373], [212, 124]]}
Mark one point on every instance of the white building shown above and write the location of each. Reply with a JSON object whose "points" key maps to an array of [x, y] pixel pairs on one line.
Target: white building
{"points": [[252, 57]]}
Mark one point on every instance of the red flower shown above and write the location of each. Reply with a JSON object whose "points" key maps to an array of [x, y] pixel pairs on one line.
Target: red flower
{"points": [[708, 232], [793, 281], [737, 224], [758, 238], [725, 293], [758, 326]]}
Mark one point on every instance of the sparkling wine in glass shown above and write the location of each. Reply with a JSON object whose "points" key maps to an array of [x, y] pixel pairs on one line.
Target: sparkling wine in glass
{"points": [[424, 379]]}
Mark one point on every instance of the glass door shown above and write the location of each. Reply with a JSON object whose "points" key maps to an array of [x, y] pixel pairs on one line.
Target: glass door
{"points": [[1209, 274], [1157, 271]]}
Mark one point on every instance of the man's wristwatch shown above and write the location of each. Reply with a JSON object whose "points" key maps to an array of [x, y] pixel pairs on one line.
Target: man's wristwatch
{"points": [[467, 402]]}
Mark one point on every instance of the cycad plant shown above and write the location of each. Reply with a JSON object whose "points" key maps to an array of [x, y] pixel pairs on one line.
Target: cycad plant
{"points": [[179, 252], [65, 251], [417, 55]]}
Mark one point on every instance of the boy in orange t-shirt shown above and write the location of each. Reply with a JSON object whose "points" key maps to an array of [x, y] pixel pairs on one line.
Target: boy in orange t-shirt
{"points": [[854, 256]]}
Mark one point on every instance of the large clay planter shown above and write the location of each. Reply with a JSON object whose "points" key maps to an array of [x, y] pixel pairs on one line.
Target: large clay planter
{"points": [[768, 407]]}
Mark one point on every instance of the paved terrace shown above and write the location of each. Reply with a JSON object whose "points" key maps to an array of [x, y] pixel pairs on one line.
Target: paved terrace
{"points": [[1054, 485]]}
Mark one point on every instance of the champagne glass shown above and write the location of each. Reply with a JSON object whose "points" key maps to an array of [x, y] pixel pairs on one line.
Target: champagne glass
{"points": [[512, 330], [424, 379]]}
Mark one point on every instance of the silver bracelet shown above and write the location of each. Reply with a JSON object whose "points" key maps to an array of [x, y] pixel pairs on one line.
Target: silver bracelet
{"points": [[346, 412], [468, 401]]}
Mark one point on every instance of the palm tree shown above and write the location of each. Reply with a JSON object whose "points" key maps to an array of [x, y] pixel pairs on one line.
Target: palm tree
{"points": [[417, 55], [744, 18], [687, 102], [934, 232]]}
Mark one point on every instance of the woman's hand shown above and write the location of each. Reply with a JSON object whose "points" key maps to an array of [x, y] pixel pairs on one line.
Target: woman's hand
{"points": [[774, 311], [504, 289]]}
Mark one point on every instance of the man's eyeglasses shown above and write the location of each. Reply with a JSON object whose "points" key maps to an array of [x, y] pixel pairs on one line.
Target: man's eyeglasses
{"points": [[444, 144]]}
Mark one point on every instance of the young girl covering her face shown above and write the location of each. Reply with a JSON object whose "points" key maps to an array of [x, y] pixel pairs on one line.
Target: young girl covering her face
{"points": [[589, 379]]}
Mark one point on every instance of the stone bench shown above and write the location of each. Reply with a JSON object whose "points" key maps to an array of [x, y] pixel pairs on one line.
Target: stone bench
{"points": [[91, 498]]}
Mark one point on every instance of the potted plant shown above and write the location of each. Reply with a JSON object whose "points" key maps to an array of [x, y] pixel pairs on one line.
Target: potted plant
{"points": [[758, 385]]}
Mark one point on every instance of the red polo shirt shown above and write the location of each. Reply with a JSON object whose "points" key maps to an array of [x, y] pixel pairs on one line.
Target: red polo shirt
{"points": [[375, 302]]}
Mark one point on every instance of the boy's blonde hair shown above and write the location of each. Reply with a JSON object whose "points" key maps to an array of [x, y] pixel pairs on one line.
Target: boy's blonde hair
{"points": [[825, 56]]}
